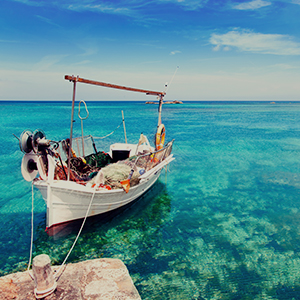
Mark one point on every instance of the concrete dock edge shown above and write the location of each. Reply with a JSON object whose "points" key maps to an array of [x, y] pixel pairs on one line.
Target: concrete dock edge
{"points": [[103, 278]]}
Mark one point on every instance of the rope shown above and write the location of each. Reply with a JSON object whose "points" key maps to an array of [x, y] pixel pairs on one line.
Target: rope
{"points": [[166, 174], [59, 273], [31, 241], [81, 121], [168, 85], [103, 137]]}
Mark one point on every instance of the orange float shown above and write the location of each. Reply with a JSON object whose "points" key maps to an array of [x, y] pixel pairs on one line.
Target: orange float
{"points": [[160, 137]]}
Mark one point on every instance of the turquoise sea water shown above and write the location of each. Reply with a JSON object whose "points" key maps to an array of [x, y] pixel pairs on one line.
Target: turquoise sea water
{"points": [[223, 223]]}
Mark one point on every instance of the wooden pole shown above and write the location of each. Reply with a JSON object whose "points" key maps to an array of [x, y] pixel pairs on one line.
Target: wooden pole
{"points": [[124, 127], [161, 98], [74, 79], [114, 86], [81, 119]]}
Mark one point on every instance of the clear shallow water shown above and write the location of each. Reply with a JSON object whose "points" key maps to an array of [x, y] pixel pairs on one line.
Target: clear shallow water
{"points": [[222, 224]]}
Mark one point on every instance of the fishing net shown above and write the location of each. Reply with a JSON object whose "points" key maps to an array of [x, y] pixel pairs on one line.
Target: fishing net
{"points": [[98, 160], [114, 173], [86, 169]]}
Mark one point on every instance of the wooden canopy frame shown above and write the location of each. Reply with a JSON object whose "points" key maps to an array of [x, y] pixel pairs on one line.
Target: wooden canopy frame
{"points": [[113, 86], [75, 79]]}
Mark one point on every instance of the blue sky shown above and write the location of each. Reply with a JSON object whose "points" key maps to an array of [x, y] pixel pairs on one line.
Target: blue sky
{"points": [[225, 50]]}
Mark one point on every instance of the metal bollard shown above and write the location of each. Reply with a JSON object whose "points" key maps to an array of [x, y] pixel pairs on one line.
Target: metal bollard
{"points": [[44, 281]]}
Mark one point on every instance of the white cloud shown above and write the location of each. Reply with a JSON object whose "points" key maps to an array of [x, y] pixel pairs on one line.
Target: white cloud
{"points": [[110, 9], [255, 4], [122, 7], [255, 42], [175, 52], [119, 7], [47, 62], [284, 67], [188, 4], [84, 62], [296, 1], [31, 3], [87, 50], [46, 20]]}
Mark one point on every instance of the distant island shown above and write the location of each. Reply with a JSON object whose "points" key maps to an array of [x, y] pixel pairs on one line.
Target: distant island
{"points": [[166, 102]]}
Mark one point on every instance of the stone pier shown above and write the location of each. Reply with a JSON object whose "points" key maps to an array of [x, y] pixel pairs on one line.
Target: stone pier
{"points": [[103, 278]]}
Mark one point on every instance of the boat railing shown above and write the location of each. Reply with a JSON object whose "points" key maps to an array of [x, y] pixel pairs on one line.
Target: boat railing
{"points": [[150, 160], [144, 161], [88, 146]]}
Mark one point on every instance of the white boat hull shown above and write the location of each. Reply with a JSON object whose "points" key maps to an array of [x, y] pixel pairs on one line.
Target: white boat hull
{"points": [[67, 200]]}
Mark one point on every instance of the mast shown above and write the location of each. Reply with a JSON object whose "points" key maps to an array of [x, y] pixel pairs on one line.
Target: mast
{"points": [[74, 79], [161, 98]]}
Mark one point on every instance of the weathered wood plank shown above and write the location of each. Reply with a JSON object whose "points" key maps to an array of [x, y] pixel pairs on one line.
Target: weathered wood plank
{"points": [[113, 86]]}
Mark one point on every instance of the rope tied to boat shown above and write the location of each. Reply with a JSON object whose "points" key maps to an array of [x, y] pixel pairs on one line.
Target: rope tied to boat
{"points": [[31, 239], [60, 271]]}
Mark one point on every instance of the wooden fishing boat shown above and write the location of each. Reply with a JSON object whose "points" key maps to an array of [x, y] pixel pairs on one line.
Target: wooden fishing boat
{"points": [[78, 181]]}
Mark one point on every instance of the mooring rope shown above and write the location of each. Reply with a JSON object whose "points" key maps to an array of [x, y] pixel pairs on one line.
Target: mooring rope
{"points": [[32, 214], [59, 273], [31, 240], [166, 174]]}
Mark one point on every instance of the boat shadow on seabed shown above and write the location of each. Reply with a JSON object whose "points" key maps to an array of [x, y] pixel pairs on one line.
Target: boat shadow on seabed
{"points": [[155, 204]]}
